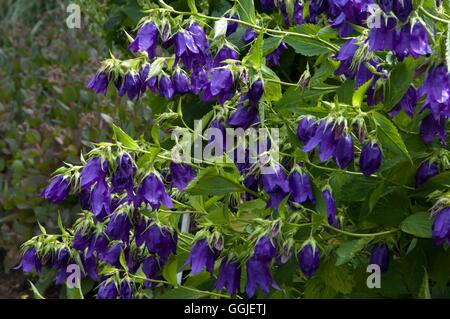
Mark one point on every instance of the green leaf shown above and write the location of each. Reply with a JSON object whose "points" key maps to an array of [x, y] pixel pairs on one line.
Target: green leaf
{"points": [[272, 89], [399, 82], [256, 55], [359, 94], [437, 182], [308, 46], [293, 100], [36, 292], [74, 293], [170, 270], [192, 6], [344, 92], [424, 291], [348, 250], [388, 135], [418, 224], [212, 182], [123, 261], [375, 196], [246, 10], [124, 138]]}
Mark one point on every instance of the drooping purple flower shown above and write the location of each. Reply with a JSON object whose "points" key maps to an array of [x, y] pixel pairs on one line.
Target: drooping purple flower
{"points": [[419, 41], [309, 260], [199, 79], [300, 186], [57, 191], [146, 40], [249, 36], [306, 129], [62, 260], [386, 5], [407, 103], [325, 137], [316, 7], [344, 151], [90, 266], [426, 171], [81, 240], [112, 255], [276, 186], [298, 12], [255, 92], [95, 170], [267, 5], [180, 82], [99, 82], [430, 128], [30, 260], [151, 267], [258, 276], [126, 290], [152, 192], [101, 200], [231, 25], [85, 199], [166, 87], [200, 39], [330, 207], [160, 241], [229, 276], [380, 257], [273, 58], [99, 244], [122, 178], [370, 159], [225, 53], [132, 86], [402, 9], [107, 290], [118, 227], [181, 175], [441, 227], [264, 249], [220, 86], [201, 256], [243, 117], [185, 48], [382, 37]]}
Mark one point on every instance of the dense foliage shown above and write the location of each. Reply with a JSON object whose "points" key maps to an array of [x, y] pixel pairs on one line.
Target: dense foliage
{"points": [[360, 93]]}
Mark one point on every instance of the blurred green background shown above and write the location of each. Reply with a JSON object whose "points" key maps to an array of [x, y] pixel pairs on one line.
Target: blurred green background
{"points": [[47, 115]]}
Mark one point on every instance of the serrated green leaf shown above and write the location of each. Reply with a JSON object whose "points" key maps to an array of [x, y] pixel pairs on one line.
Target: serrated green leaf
{"points": [[424, 291], [272, 89], [36, 292], [349, 249], [388, 135], [124, 138], [212, 182], [192, 6], [399, 82], [170, 270], [246, 10], [418, 224], [360, 93]]}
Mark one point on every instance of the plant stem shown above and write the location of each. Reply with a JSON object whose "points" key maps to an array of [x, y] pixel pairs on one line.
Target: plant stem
{"points": [[361, 235], [331, 46], [432, 16]]}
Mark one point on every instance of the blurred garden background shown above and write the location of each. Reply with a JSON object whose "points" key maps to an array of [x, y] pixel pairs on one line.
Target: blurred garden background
{"points": [[47, 114]]}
